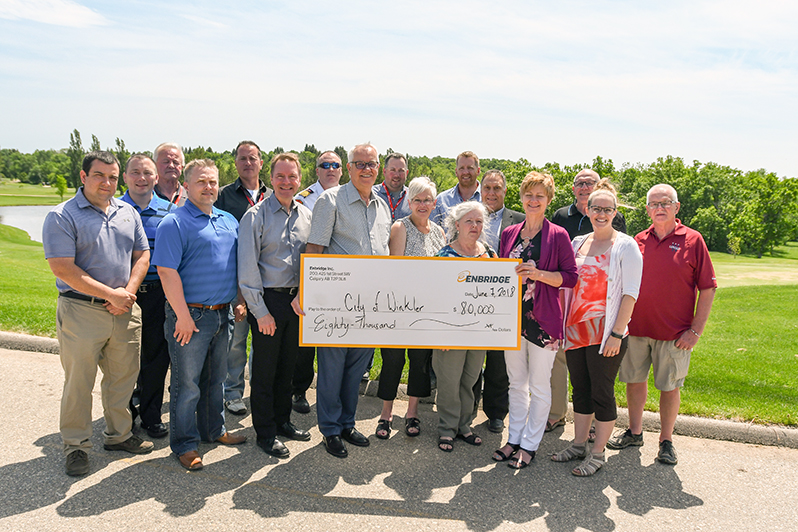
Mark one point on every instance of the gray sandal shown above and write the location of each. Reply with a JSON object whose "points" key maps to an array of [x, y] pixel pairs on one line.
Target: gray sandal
{"points": [[568, 454], [589, 466]]}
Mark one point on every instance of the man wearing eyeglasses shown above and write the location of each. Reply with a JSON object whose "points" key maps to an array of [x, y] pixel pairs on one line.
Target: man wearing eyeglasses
{"points": [[328, 172], [667, 320], [347, 220], [495, 399], [467, 189], [236, 198], [574, 219], [392, 190]]}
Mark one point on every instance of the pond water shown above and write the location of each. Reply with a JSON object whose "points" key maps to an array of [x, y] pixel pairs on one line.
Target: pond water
{"points": [[29, 218]]}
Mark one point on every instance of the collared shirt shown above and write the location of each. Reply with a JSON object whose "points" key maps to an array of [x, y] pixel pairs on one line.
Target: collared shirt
{"points": [[236, 199], [345, 225], [270, 242], [178, 198], [577, 223], [448, 199], [673, 269], [102, 243], [397, 203], [203, 250], [309, 196], [150, 217], [492, 228]]}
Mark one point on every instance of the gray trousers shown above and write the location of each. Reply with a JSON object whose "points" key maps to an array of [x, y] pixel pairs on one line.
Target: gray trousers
{"points": [[456, 372]]}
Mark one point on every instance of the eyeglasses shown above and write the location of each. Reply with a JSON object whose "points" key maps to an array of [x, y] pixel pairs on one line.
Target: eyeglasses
{"points": [[654, 205], [417, 201], [327, 166], [360, 165], [584, 184], [600, 210]]}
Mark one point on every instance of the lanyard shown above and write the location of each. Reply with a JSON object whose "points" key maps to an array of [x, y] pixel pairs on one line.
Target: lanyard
{"points": [[390, 200], [249, 198]]}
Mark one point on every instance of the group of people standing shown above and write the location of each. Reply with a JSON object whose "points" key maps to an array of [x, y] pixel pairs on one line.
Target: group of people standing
{"points": [[180, 274]]}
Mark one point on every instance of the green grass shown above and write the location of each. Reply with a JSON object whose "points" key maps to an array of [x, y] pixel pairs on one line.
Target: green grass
{"points": [[743, 368], [25, 194], [27, 287], [746, 270]]}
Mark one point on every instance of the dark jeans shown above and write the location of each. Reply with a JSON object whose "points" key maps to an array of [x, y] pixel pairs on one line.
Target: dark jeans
{"points": [[593, 380], [303, 371], [393, 362], [495, 396], [273, 361], [338, 386], [154, 353]]}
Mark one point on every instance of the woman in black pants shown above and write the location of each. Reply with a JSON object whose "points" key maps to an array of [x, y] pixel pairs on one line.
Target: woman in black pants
{"points": [[412, 236]]}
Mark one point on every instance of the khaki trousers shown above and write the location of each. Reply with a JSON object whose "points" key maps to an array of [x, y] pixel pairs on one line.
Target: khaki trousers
{"points": [[559, 387], [89, 336]]}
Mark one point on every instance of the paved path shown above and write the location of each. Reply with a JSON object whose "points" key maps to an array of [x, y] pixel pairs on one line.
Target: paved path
{"points": [[403, 483]]}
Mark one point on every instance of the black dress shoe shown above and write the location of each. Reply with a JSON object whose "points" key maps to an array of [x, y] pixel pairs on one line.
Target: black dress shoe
{"points": [[496, 425], [354, 437], [288, 430], [157, 430], [300, 404], [273, 447], [335, 446]]}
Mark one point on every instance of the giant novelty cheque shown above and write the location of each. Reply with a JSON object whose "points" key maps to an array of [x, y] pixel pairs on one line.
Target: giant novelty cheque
{"points": [[417, 302]]}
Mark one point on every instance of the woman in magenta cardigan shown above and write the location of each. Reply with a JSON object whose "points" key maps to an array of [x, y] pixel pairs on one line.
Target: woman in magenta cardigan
{"points": [[548, 265]]}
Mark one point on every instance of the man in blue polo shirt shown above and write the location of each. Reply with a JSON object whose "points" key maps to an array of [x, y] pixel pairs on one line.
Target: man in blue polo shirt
{"points": [[97, 249], [141, 176], [195, 252]]}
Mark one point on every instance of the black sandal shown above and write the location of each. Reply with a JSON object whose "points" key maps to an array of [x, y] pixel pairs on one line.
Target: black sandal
{"points": [[516, 462], [412, 423], [385, 425], [505, 457], [445, 440], [471, 439]]}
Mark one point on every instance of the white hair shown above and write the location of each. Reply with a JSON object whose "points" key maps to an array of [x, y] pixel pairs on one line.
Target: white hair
{"points": [[167, 146], [351, 153], [663, 187], [419, 185], [457, 213]]}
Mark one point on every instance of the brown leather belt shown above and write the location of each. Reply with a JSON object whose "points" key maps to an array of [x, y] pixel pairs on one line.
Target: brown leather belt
{"points": [[208, 307]]}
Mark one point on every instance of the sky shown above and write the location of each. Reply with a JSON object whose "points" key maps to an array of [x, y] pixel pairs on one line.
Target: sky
{"points": [[566, 81]]}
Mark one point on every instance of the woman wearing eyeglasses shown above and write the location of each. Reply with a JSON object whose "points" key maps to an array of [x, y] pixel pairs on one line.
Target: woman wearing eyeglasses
{"points": [[548, 264], [412, 236], [597, 310]]}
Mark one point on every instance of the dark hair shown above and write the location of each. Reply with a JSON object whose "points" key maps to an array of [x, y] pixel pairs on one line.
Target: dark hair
{"points": [[99, 155], [395, 155], [247, 143]]}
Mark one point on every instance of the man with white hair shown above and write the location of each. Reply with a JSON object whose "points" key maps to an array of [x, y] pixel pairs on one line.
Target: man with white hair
{"points": [[169, 160], [667, 321]]}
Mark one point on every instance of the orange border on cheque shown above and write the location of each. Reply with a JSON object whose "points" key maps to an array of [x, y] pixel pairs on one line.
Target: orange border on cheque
{"points": [[399, 257]]}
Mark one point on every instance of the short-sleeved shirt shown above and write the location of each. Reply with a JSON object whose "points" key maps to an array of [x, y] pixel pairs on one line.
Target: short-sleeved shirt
{"points": [[309, 196], [577, 223], [101, 243], [448, 199], [236, 199], [270, 242], [150, 217], [203, 249], [345, 225], [673, 269], [397, 203]]}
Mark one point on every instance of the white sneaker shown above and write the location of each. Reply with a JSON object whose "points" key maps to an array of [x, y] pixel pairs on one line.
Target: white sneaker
{"points": [[236, 406]]}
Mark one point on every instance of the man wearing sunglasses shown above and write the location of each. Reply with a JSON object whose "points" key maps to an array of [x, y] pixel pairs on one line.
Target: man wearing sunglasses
{"points": [[328, 171], [667, 320]]}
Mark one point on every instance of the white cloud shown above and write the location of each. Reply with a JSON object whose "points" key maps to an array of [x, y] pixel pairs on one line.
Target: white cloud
{"points": [[56, 12]]}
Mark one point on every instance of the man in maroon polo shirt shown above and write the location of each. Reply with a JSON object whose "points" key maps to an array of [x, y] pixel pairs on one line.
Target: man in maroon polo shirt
{"points": [[667, 321]]}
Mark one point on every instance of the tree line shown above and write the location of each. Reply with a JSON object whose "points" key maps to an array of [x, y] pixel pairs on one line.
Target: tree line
{"points": [[751, 212]]}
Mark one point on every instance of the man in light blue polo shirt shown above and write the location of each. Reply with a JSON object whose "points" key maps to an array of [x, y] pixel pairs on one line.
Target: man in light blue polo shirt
{"points": [[97, 249], [347, 220], [195, 252], [141, 176], [467, 189]]}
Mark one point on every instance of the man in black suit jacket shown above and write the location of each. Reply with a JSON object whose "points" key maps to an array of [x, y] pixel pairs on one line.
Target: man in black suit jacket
{"points": [[495, 400]]}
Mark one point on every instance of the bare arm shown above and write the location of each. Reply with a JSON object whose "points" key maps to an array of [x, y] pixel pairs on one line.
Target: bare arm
{"points": [[613, 345], [398, 239], [689, 338], [65, 269], [173, 289]]}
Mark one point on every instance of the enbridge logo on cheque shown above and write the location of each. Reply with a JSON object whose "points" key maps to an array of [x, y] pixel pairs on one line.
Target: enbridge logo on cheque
{"points": [[466, 277]]}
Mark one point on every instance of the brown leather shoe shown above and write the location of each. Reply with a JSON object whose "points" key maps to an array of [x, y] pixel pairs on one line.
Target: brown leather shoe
{"points": [[231, 439], [191, 460]]}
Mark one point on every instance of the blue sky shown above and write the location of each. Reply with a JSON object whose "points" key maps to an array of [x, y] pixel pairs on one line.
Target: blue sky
{"points": [[547, 81]]}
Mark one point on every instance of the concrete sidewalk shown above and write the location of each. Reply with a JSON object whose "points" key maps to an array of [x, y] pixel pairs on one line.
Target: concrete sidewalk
{"points": [[401, 483]]}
